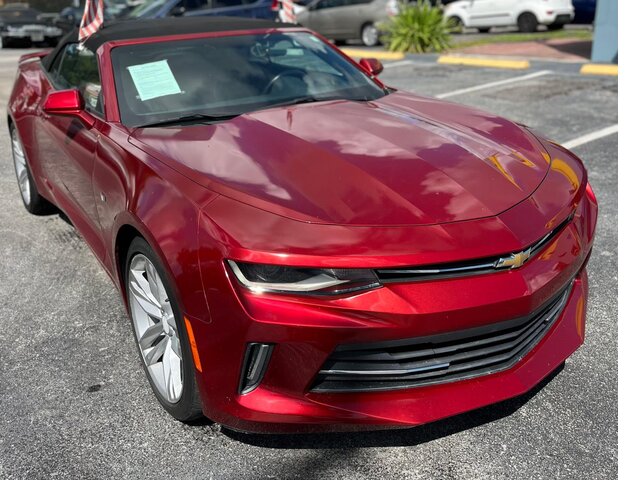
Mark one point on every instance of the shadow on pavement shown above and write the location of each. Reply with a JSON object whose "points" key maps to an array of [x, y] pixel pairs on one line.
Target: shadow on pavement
{"points": [[393, 438], [580, 48]]}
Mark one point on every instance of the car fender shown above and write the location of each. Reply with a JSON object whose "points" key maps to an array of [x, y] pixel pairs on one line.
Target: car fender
{"points": [[163, 206], [458, 9]]}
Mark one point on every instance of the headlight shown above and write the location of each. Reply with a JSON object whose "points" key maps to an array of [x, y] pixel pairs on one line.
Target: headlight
{"points": [[310, 281]]}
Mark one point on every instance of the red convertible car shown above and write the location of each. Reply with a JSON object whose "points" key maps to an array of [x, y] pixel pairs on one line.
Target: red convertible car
{"points": [[300, 246]]}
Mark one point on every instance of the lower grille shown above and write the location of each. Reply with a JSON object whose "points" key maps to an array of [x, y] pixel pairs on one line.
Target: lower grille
{"points": [[439, 358]]}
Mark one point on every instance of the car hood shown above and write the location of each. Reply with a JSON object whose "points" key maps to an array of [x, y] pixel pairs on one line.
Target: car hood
{"points": [[401, 160]]}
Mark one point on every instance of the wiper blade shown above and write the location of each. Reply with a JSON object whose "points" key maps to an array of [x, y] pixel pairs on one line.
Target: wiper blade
{"points": [[301, 100], [192, 118]]}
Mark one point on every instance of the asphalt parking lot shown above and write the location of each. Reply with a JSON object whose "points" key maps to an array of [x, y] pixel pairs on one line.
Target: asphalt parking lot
{"points": [[74, 402]]}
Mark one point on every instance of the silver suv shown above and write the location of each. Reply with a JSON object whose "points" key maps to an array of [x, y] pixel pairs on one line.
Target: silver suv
{"points": [[347, 19]]}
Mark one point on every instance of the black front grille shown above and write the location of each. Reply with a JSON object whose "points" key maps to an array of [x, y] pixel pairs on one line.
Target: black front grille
{"points": [[439, 358]]}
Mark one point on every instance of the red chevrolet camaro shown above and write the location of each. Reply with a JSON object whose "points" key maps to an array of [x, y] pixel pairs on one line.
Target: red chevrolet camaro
{"points": [[299, 245]]}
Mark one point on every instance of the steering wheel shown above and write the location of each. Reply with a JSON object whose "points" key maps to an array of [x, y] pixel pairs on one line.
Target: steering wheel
{"points": [[285, 73]]}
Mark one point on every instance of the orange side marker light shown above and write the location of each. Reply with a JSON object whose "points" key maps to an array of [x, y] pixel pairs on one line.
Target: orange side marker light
{"points": [[194, 347]]}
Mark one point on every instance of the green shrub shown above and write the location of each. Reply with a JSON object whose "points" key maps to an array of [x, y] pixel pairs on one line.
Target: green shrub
{"points": [[417, 28]]}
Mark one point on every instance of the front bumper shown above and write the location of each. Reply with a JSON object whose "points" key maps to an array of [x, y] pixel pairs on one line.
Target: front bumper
{"points": [[556, 16], [31, 33], [305, 331], [270, 409]]}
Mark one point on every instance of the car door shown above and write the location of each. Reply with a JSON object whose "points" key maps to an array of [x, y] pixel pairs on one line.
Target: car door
{"points": [[225, 8], [69, 144], [489, 13], [324, 17], [184, 7]]}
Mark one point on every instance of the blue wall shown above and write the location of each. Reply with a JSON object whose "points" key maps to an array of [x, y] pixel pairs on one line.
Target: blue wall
{"points": [[605, 39]]}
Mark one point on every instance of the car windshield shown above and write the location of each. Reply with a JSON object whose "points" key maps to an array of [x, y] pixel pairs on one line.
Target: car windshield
{"points": [[147, 8], [231, 75]]}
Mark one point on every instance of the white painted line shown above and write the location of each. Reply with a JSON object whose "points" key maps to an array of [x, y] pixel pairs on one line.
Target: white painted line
{"points": [[499, 83], [590, 137], [399, 63]]}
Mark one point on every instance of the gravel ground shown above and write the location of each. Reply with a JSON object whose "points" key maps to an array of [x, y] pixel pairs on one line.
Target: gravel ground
{"points": [[75, 402]]}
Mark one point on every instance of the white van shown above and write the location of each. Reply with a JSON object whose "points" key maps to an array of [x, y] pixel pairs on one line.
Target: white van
{"points": [[525, 14]]}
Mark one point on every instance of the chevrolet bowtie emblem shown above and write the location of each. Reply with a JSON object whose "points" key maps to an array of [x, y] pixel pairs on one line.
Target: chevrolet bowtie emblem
{"points": [[514, 260]]}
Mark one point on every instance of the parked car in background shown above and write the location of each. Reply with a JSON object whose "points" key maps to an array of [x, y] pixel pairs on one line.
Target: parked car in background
{"points": [[70, 17], [24, 26], [192, 8], [525, 14], [348, 19], [585, 11]]}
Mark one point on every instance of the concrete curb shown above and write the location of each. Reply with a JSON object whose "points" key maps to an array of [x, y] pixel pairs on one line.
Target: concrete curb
{"points": [[379, 54], [491, 62], [488, 62], [599, 69]]}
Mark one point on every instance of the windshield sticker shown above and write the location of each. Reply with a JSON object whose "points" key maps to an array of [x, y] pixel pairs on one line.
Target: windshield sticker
{"points": [[153, 80]]}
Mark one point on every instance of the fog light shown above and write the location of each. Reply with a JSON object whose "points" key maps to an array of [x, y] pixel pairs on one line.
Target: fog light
{"points": [[254, 366]]}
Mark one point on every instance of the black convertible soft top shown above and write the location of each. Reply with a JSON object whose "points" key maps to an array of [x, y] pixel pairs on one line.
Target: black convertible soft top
{"points": [[131, 29]]}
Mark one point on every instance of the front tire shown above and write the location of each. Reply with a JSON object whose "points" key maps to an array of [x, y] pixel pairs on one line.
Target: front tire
{"points": [[35, 203], [370, 35], [160, 333], [527, 22]]}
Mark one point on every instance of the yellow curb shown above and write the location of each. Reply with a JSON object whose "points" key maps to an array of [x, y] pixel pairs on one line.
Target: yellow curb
{"points": [[599, 69], [483, 62], [354, 52]]}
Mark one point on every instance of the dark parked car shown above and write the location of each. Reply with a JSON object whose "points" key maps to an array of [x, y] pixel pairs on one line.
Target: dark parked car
{"points": [[70, 17], [585, 11], [21, 25], [213, 8]]}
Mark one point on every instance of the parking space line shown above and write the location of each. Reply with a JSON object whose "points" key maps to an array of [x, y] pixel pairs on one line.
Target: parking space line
{"points": [[399, 63], [590, 137], [498, 83]]}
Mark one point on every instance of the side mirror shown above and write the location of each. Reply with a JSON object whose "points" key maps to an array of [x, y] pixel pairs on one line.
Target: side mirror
{"points": [[372, 66], [69, 103]]}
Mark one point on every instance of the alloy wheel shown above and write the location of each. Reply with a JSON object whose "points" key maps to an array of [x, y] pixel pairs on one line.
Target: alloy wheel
{"points": [[20, 163], [370, 35], [155, 328]]}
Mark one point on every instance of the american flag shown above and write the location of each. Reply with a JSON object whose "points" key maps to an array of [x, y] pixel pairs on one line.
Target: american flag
{"points": [[92, 19], [288, 14]]}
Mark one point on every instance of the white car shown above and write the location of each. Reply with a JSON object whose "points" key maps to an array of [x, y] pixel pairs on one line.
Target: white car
{"points": [[525, 14]]}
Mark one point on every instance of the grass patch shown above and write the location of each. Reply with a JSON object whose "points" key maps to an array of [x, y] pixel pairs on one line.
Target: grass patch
{"points": [[521, 37]]}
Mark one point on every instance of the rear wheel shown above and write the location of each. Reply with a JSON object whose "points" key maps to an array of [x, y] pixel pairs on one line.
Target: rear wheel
{"points": [[33, 201], [370, 35], [160, 333], [455, 24], [527, 22]]}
